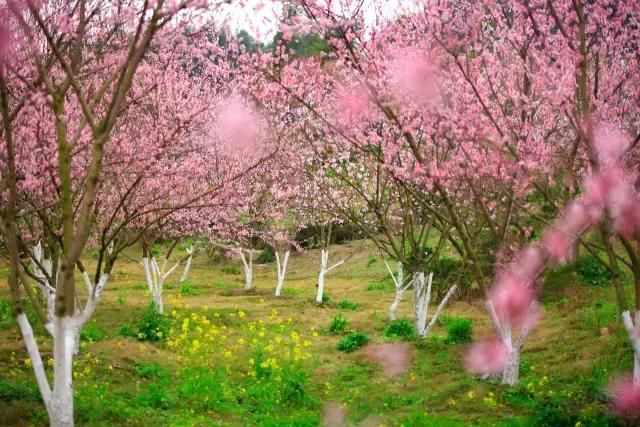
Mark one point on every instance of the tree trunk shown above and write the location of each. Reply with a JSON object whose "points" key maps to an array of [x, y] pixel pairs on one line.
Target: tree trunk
{"points": [[511, 371], [36, 359], [393, 309], [420, 302], [282, 271], [155, 280], [61, 408], [398, 280], [634, 337], [324, 259], [187, 267], [248, 269]]}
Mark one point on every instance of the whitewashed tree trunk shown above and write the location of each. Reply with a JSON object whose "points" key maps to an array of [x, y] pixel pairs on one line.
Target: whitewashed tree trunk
{"points": [[248, 269], [61, 413], [155, 278], [511, 369], [59, 400], [421, 294], [324, 269], [187, 267], [398, 281], [633, 330], [43, 270], [36, 360], [282, 271], [421, 299]]}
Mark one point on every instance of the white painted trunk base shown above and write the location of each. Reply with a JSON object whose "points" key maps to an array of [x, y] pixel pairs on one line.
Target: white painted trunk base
{"points": [[324, 269], [633, 330], [421, 300], [58, 400], [65, 331], [248, 269], [187, 267], [155, 277], [282, 271], [398, 281], [511, 369]]}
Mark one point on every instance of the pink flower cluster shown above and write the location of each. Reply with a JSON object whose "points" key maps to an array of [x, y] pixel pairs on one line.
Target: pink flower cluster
{"points": [[609, 189]]}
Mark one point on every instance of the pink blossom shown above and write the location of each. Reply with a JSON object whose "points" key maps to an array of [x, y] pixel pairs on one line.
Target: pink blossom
{"points": [[238, 125], [610, 144], [413, 76], [598, 186], [626, 397], [511, 297], [487, 357], [558, 244], [625, 210], [531, 262], [577, 218], [394, 357], [353, 104], [334, 415]]}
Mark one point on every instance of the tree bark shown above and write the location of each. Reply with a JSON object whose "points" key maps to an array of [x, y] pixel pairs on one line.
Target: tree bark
{"points": [[324, 259], [324, 269], [187, 267], [248, 269], [155, 278], [61, 411], [420, 302], [634, 337], [282, 271], [511, 371]]}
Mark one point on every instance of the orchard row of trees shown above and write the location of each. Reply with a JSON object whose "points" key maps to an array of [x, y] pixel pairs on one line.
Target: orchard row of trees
{"points": [[465, 127]]}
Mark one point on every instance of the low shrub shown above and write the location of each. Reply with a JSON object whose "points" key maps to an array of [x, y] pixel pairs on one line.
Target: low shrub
{"points": [[600, 314], [400, 329], [153, 326], [5, 311], [353, 342], [187, 288], [376, 286], [346, 304], [231, 269], [267, 256], [459, 330], [592, 272], [17, 392], [338, 325], [91, 333], [127, 330]]}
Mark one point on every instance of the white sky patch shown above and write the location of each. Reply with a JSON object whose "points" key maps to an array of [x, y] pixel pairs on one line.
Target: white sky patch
{"points": [[261, 17]]}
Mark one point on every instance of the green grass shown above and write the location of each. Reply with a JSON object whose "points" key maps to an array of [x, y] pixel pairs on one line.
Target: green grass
{"points": [[577, 346]]}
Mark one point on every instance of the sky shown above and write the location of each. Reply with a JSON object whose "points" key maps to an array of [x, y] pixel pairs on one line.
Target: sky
{"points": [[260, 17]]}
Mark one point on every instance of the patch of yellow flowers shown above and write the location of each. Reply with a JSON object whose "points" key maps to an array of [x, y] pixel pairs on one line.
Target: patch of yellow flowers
{"points": [[246, 345]]}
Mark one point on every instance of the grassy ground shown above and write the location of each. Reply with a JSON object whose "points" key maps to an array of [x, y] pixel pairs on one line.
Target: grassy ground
{"points": [[248, 359]]}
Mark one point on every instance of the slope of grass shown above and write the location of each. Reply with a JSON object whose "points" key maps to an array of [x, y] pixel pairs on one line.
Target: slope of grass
{"points": [[229, 365]]}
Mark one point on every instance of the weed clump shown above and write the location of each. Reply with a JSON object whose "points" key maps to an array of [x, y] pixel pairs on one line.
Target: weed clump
{"points": [[353, 342], [346, 304], [338, 325], [400, 329], [153, 326], [459, 330]]}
